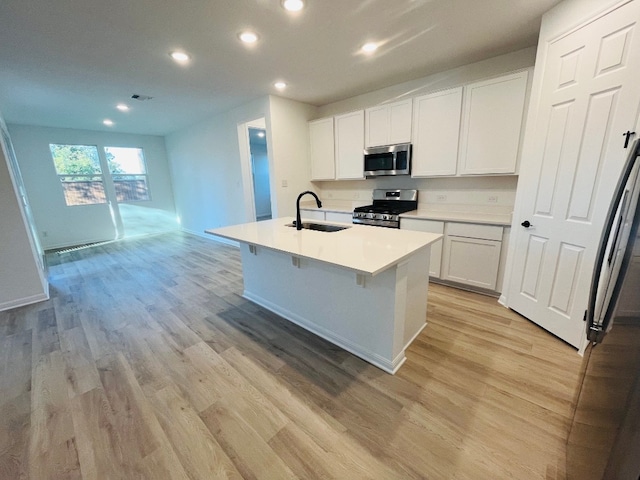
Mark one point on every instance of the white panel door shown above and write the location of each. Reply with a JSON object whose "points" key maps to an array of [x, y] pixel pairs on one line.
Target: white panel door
{"points": [[436, 132], [349, 142], [589, 97]]}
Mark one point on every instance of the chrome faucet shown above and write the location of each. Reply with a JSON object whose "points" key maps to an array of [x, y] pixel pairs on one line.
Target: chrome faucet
{"points": [[298, 220]]}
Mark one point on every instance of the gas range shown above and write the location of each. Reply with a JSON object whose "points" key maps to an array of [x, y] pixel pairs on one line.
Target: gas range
{"points": [[387, 207]]}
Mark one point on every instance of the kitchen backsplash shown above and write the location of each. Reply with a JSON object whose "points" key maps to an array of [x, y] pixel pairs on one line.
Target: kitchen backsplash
{"points": [[472, 194]]}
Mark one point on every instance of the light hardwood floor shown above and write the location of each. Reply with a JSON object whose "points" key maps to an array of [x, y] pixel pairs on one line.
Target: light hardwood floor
{"points": [[147, 363]]}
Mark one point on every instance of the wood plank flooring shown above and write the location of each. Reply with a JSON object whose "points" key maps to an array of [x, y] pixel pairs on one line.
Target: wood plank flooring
{"points": [[148, 364]]}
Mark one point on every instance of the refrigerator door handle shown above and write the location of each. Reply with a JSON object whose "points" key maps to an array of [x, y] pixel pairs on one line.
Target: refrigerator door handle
{"points": [[595, 328], [616, 236]]}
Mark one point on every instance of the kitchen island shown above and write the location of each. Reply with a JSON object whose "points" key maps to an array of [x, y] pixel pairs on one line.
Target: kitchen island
{"points": [[362, 288]]}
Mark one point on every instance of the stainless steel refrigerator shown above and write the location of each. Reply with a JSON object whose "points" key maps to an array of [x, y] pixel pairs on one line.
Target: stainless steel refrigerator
{"points": [[604, 437]]}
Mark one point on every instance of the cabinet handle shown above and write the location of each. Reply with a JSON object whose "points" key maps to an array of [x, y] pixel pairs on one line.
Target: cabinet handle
{"points": [[526, 224]]}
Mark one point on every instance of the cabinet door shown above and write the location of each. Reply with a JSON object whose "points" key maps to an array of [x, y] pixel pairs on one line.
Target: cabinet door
{"points": [[400, 122], [436, 133], [312, 214], [491, 127], [388, 124], [339, 217], [377, 126], [322, 152], [429, 226], [471, 261], [349, 141]]}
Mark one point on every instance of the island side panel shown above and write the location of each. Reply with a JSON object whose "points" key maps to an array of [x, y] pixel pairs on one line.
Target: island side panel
{"points": [[326, 300], [417, 291]]}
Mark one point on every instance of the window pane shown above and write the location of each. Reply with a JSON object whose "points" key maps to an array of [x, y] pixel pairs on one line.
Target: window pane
{"points": [[128, 171], [78, 168], [75, 159], [83, 190], [125, 160]]}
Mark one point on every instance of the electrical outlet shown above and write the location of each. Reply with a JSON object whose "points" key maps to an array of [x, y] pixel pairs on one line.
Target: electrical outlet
{"points": [[493, 199], [441, 198], [45, 233], [356, 196], [285, 183]]}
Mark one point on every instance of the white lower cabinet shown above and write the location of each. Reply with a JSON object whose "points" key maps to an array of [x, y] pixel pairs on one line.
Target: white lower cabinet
{"points": [[314, 214], [429, 226], [338, 217], [311, 214], [471, 255]]}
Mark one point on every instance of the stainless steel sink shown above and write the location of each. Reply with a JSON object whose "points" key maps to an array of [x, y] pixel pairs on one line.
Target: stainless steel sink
{"points": [[320, 227]]}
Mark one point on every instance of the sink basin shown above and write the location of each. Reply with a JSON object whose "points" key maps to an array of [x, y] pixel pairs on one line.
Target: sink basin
{"points": [[320, 227]]}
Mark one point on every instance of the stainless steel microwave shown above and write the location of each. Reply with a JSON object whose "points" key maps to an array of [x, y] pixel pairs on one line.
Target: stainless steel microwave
{"points": [[387, 160]]}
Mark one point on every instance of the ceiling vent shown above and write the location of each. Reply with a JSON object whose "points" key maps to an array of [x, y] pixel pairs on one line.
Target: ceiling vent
{"points": [[142, 98]]}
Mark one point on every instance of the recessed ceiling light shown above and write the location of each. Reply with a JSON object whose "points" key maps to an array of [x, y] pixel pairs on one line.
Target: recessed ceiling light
{"points": [[122, 107], [369, 47], [180, 57], [293, 5], [280, 85], [107, 122], [248, 37]]}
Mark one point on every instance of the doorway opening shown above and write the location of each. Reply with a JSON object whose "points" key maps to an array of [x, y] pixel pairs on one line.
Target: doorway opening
{"points": [[260, 173], [256, 169]]}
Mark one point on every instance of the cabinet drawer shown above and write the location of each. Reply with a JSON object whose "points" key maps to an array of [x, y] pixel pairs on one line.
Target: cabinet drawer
{"points": [[473, 230]]}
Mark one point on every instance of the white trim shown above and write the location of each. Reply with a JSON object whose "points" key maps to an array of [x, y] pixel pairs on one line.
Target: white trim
{"points": [[21, 302], [247, 175], [592, 17], [213, 238]]}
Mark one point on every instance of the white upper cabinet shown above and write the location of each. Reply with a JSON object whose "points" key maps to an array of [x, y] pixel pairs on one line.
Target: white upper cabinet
{"points": [[322, 152], [491, 125], [436, 133], [349, 143], [388, 124]]}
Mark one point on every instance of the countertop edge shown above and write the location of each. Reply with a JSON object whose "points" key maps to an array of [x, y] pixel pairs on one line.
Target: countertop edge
{"points": [[340, 265], [460, 217]]}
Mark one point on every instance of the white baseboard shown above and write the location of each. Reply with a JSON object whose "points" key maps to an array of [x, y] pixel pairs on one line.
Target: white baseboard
{"points": [[389, 366], [21, 302], [214, 238]]}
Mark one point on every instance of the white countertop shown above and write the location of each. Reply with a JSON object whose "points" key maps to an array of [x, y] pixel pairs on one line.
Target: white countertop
{"points": [[466, 215], [361, 248], [502, 219]]}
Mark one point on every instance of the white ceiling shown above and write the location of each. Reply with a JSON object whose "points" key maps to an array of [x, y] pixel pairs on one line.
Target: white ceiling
{"points": [[67, 63]]}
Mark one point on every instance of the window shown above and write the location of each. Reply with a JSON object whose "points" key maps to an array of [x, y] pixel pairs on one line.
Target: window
{"points": [[129, 173], [78, 168]]}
